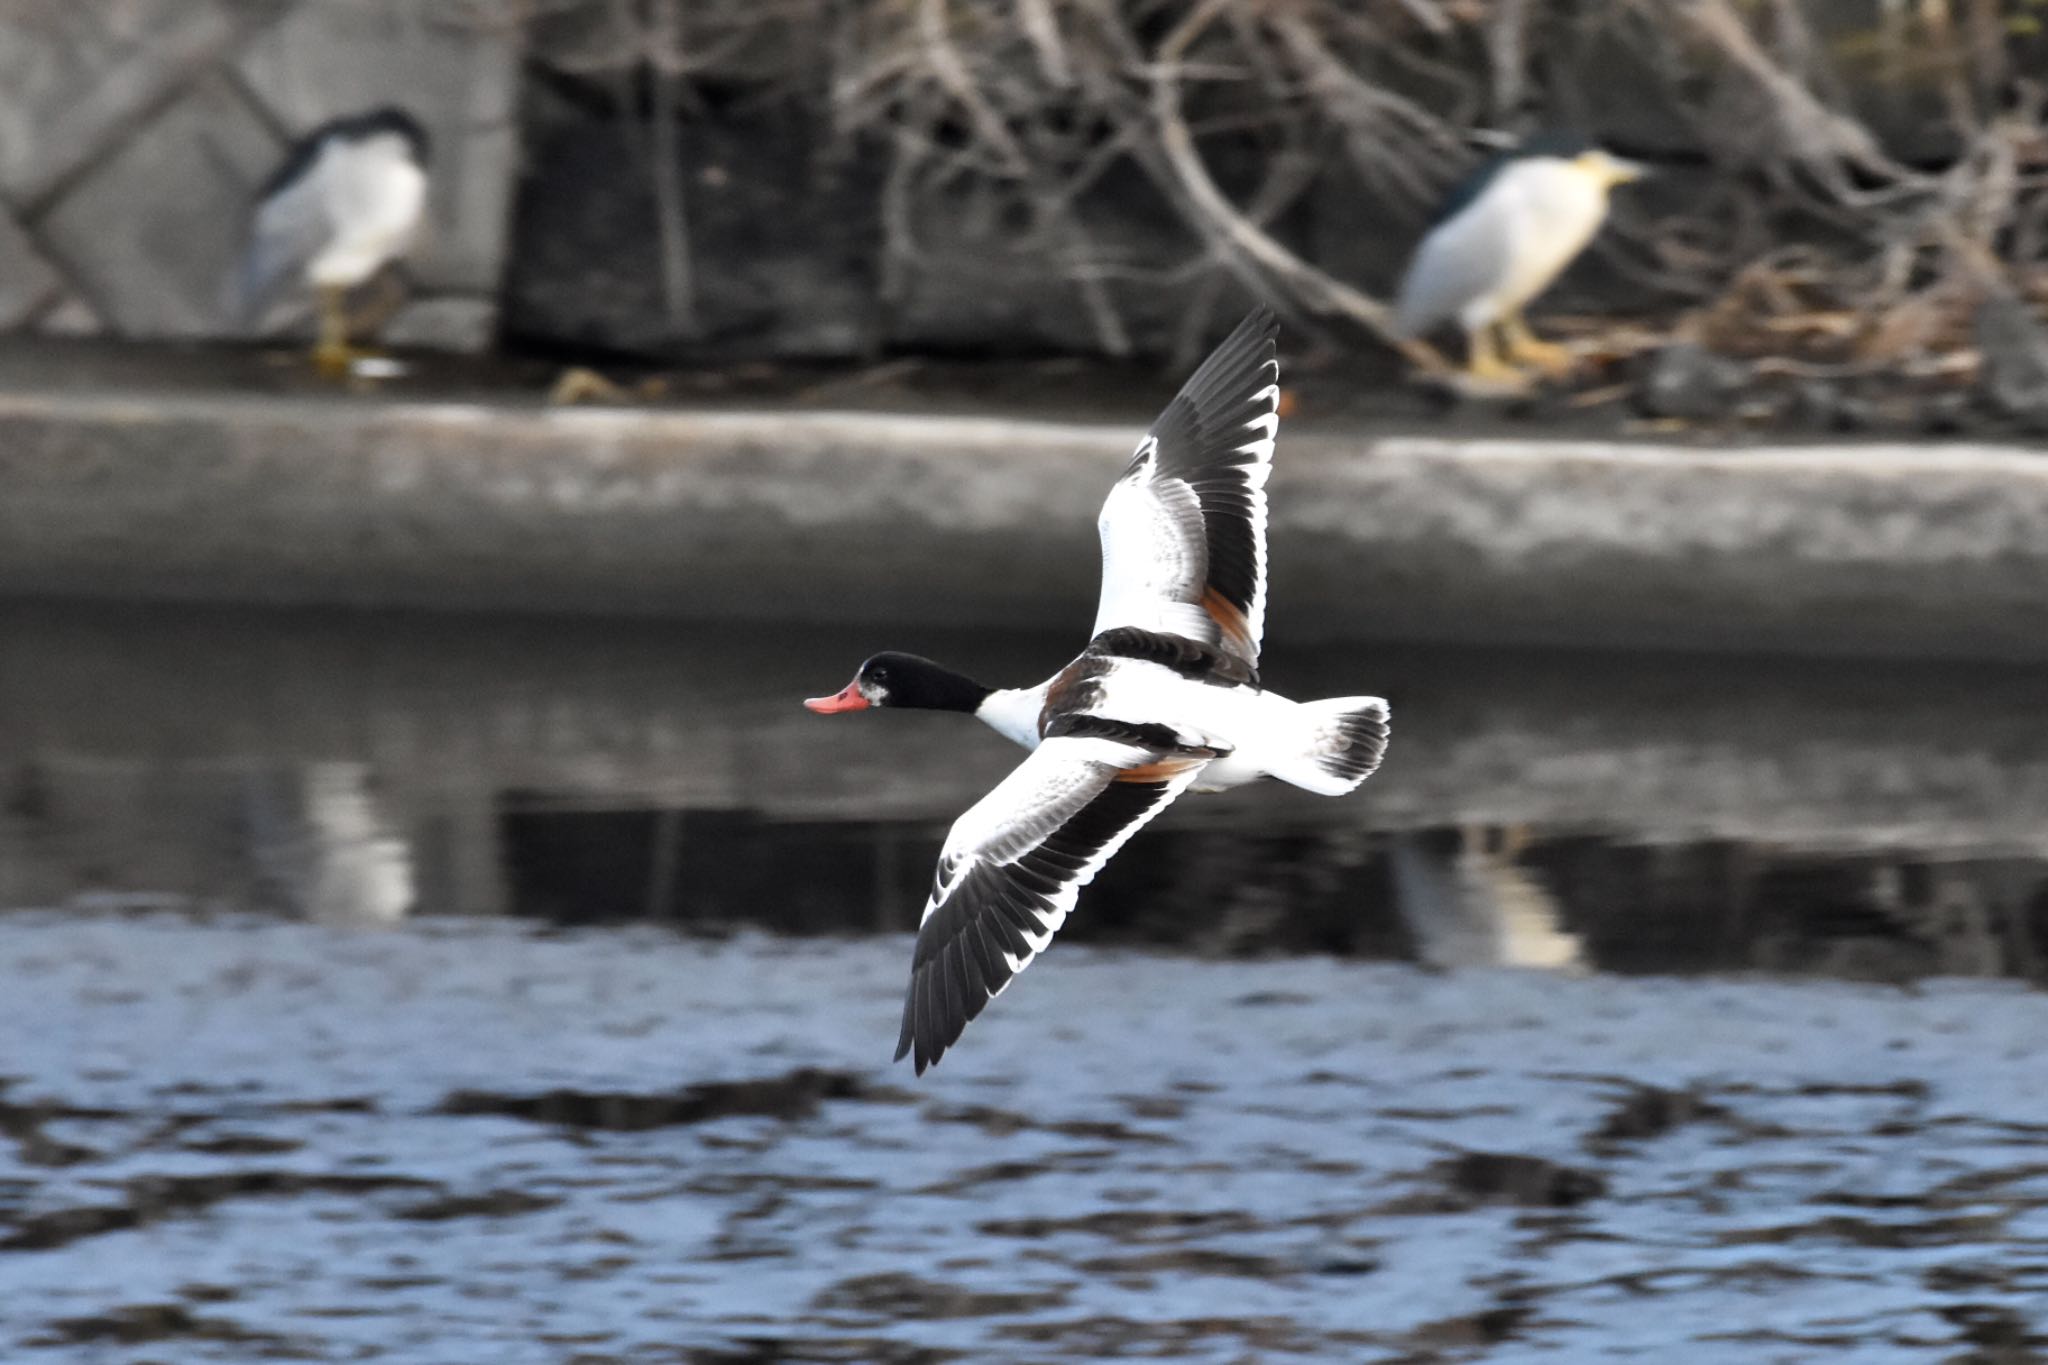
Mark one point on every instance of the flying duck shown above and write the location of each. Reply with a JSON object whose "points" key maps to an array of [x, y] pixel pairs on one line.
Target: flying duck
{"points": [[1499, 239], [1166, 697], [346, 201]]}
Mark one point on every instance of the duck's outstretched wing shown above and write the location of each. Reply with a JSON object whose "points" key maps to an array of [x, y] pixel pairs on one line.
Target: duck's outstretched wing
{"points": [[1184, 530], [1015, 862]]}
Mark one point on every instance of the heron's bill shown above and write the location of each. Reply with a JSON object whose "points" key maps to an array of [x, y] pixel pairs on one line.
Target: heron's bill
{"points": [[1611, 170]]}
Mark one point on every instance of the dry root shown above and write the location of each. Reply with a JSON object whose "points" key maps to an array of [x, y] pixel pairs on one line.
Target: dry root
{"points": [[1815, 233]]}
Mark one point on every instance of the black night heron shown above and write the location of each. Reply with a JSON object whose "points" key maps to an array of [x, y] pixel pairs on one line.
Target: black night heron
{"points": [[1500, 239], [346, 202]]}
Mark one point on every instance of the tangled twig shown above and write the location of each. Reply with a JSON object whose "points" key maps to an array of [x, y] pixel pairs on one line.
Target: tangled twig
{"points": [[1237, 110], [1221, 218]]}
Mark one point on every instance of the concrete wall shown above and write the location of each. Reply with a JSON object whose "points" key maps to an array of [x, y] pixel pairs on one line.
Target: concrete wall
{"points": [[134, 132], [925, 521]]}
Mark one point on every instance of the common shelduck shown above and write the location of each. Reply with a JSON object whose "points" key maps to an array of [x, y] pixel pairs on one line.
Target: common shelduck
{"points": [[1165, 697]]}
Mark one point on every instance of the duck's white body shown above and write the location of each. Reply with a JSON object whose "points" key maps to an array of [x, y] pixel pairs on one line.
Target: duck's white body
{"points": [[1258, 734]]}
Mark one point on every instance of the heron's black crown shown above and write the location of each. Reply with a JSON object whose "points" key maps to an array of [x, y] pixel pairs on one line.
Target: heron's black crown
{"points": [[389, 119], [1557, 143]]}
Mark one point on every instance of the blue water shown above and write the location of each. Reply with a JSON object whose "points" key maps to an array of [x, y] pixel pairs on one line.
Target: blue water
{"points": [[451, 990]]}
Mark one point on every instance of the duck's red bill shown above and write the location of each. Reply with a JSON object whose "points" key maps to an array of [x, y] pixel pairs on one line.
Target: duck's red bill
{"points": [[847, 698]]}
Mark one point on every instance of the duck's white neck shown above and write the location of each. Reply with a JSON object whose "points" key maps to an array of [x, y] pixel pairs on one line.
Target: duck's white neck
{"points": [[1012, 712]]}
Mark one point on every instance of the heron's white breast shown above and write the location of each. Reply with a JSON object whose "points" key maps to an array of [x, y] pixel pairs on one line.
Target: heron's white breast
{"points": [[1555, 209], [374, 195]]}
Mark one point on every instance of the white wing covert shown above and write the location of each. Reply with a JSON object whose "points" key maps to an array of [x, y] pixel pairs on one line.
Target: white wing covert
{"points": [[1184, 530], [1015, 863]]}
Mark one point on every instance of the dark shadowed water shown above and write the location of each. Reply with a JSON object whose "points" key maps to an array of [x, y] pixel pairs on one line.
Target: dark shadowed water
{"points": [[447, 990]]}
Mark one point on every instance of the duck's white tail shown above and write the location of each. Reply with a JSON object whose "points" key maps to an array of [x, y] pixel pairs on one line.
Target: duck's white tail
{"points": [[1342, 741]]}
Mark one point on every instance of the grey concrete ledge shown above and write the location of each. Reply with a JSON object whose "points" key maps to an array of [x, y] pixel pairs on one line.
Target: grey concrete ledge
{"points": [[1850, 548]]}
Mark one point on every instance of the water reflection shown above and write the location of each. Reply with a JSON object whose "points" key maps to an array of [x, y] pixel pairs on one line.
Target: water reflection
{"points": [[1471, 901], [1454, 897], [1623, 814], [320, 846]]}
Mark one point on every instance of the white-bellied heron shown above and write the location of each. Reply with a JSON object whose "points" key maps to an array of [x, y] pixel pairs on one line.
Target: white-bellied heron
{"points": [[1502, 237], [346, 201]]}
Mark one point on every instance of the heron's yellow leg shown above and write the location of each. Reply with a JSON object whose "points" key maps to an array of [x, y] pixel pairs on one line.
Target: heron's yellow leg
{"points": [[1484, 364], [332, 356], [1523, 347]]}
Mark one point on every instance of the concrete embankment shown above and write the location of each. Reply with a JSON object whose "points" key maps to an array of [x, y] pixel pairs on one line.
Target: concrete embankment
{"points": [[1854, 548]]}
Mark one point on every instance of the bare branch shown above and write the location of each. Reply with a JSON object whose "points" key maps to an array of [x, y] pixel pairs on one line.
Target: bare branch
{"points": [[1037, 107], [1313, 287]]}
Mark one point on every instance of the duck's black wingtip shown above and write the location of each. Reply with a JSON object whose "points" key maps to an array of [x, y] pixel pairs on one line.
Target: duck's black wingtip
{"points": [[908, 1041], [923, 1062], [906, 1036], [1260, 324]]}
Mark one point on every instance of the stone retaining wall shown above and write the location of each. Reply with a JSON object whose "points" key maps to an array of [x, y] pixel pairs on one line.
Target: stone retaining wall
{"points": [[134, 132]]}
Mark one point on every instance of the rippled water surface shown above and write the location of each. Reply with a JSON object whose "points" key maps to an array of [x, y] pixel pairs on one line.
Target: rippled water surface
{"points": [[452, 991]]}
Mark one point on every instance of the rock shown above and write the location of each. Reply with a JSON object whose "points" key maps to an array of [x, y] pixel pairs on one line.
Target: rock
{"points": [[1816, 403], [1945, 414], [1686, 380], [2014, 346], [1858, 412]]}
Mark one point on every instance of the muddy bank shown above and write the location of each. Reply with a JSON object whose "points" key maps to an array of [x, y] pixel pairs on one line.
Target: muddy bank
{"points": [[252, 1142], [905, 518]]}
